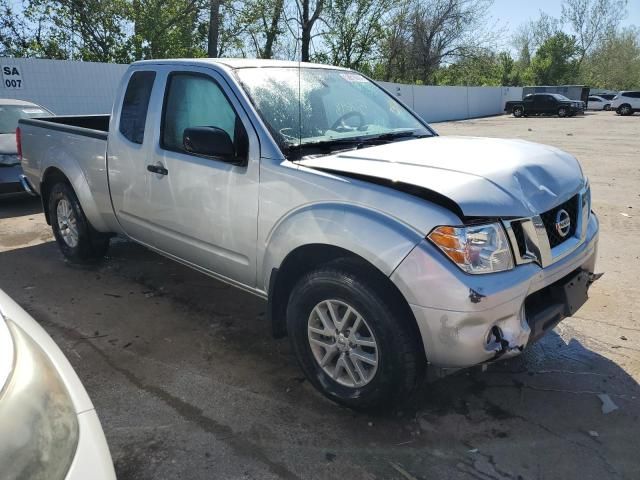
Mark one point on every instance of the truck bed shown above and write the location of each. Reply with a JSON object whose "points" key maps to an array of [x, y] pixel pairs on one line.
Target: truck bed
{"points": [[77, 146], [96, 126]]}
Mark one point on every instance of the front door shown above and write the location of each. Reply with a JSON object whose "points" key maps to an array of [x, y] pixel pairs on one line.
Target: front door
{"points": [[200, 209]]}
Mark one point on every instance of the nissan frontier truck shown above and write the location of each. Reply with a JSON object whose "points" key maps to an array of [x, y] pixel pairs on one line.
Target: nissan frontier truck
{"points": [[381, 247]]}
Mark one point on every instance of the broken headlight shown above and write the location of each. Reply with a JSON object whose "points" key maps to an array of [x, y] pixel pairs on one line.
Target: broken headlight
{"points": [[475, 248]]}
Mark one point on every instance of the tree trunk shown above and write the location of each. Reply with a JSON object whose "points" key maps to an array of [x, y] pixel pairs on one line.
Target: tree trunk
{"points": [[272, 32], [306, 23], [214, 28]]}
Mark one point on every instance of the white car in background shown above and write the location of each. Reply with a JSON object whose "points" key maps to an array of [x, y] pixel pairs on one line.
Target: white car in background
{"points": [[11, 111], [49, 429], [596, 102], [626, 103]]}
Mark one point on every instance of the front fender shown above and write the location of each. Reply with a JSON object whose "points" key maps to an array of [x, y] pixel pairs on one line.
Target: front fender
{"points": [[377, 237]]}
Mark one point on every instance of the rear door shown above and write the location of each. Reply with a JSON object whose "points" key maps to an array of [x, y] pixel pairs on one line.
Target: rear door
{"points": [[634, 99], [199, 209], [129, 145]]}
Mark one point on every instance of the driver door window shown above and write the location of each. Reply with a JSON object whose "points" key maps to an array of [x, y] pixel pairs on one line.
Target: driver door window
{"points": [[194, 100]]}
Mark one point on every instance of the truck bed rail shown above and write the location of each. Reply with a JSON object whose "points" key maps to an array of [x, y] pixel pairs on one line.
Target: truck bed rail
{"points": [[94, 126]]}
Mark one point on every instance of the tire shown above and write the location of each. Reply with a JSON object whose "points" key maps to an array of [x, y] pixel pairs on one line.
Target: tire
{"points": [[562, 112], [398, 350], [625, 110], [77, 239], [518, 112], [607, 107]]}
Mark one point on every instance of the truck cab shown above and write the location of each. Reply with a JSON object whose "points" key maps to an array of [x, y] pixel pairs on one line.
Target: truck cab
{"points": [[544, 104]]}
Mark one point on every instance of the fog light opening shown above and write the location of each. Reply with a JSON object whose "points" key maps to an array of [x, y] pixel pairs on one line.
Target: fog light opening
{"points": [[497, 342]]}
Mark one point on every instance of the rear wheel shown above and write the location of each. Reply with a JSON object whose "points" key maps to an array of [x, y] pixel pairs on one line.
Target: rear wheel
{"points": [[625, 109], [77, 239], [563, 112], [607, 107], [518, 112], [354, 344]]}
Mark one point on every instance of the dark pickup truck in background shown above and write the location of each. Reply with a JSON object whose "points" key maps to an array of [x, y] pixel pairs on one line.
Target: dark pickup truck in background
{"points": [[544, 104]]}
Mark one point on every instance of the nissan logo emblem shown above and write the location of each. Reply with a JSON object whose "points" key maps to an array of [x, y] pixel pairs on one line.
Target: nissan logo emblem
{"points": [[563, 223]]}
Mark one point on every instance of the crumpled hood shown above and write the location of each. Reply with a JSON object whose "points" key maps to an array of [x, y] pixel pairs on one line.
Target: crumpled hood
{"points": [[483, 176], [8, 144]]}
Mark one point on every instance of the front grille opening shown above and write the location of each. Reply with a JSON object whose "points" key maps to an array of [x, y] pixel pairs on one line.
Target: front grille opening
{"points": [[518, 232], [549, 220]]}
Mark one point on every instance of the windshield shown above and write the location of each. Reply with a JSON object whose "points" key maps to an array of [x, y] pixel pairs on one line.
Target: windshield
{"points": [[334, 105], [10, 114], [561, 97]]}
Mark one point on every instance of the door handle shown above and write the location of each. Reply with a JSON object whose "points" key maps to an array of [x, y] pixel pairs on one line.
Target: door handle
{"points": [[159, 169]]}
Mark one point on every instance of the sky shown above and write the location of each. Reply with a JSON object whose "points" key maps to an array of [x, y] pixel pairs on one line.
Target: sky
{"points": [[512, 13]]}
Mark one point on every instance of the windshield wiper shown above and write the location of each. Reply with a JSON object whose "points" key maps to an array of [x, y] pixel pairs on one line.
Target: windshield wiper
{"points": [[395, 135], [328, 146]]}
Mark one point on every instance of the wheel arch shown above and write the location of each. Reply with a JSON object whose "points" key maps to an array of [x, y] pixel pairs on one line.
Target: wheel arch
{"points": [[309, 257], [54, 174]]}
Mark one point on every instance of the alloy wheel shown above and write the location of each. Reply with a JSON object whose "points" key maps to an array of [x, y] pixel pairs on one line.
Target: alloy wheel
{"points": [[342, 343]]}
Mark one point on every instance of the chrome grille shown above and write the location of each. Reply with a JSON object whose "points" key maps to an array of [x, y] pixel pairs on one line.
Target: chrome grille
{"points": [[535, 239], [549, 220]]}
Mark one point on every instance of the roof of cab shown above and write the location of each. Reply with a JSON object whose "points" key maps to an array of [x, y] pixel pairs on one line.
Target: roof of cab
{"points": [[236, 63]]}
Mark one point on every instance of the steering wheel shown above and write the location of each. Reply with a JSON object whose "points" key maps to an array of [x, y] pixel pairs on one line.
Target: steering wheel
{"points": [[340, 126]]}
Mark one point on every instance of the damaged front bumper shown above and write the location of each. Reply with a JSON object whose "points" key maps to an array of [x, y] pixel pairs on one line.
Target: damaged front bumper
{"points": [[465, 320]]}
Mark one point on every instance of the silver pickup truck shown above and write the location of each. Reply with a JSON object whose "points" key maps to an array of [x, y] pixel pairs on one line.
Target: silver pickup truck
{"points": [[381, 247]]}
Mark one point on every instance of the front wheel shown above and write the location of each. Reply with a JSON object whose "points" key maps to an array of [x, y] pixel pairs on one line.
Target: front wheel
{"points": [[518, 112], [607, 108], [625, 110], [354, 344], [77, 239], [563, 112]]}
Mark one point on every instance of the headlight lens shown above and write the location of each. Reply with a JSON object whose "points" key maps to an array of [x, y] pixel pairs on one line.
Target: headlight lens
{"points": [[475, 249], [39, 424], [9, 159]]}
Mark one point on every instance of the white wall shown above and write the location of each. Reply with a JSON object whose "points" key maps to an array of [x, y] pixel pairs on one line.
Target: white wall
{"points": [[64, 87], [68, 88], [438, 104]]}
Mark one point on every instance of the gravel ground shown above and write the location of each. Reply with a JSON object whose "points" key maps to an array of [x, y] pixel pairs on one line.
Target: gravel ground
{"points": [[189, 384]]}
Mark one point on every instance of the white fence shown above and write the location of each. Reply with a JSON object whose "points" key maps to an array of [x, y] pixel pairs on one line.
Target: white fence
{"points": [[437, 104], [64, 87], [67, 88]]}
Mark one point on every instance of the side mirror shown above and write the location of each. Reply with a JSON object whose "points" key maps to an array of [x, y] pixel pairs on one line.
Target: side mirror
{"points": [[209, 141]]}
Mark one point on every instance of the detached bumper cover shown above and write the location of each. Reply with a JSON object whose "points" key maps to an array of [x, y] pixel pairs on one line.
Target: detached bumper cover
{"points": [[465, 319]]}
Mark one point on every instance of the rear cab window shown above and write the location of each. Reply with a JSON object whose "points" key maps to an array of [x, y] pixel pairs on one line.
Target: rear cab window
{"points": [[133, 115]]}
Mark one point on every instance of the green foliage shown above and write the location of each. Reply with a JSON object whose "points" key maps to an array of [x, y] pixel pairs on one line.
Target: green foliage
{"points": [[483, 69], [615, 63], [412, 41], [555, 62]]}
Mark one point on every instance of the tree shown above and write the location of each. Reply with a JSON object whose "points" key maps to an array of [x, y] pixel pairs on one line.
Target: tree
{"points": [[555, 62], [28, 32], [307, 15], [483, 69], [166, 28], [355, 28], [591, 21], [214, 28], [264, 25], [429, 33], [615, 63]]}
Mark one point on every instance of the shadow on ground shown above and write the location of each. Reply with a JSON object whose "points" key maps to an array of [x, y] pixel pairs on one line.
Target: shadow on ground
{"points": [[19, 205], [189, 384]]}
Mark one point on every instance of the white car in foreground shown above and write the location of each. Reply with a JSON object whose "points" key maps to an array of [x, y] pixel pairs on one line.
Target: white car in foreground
{"points": [[49, 429]]}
